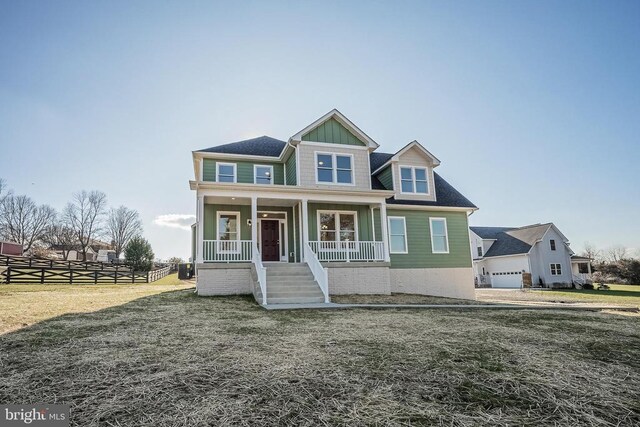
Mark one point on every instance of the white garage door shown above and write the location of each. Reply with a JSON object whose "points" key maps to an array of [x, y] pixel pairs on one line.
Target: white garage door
{"points": [[506, 279]]}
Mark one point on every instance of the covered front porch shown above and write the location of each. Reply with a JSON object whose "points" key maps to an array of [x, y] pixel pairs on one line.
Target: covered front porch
{"points": [[240, 229]]}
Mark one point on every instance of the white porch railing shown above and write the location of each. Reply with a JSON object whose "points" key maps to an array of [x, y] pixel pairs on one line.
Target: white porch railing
{"points": [[319, 272], [348, 251], [226, 251], [261, 271]]}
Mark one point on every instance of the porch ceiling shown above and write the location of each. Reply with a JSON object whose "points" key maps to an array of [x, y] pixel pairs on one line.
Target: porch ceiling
{"points": [[265, 201], [245, 201]]}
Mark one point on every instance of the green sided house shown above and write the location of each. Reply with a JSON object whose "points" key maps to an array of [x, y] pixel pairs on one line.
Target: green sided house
{"points": [[325, 213]]}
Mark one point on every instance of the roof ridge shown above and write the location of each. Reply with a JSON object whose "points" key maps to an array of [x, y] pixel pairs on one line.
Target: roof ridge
{"points": [[534, 225]]}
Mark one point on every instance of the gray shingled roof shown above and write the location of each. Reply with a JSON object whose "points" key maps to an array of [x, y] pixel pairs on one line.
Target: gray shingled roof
{"points": [[446, 195], [511, 240], [271, 147], [260, 146]]}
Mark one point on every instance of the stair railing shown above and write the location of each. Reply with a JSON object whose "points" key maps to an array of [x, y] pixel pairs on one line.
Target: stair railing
{"points": [[261, 271], [319, 272]]}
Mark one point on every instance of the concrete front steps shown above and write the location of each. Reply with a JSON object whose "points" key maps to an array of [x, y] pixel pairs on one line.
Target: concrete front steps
{"points": [[289, 283]]}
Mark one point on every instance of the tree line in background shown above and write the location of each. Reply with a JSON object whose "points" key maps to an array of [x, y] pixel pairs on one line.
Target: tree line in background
{"points": [[84, 220], [613, 265]]}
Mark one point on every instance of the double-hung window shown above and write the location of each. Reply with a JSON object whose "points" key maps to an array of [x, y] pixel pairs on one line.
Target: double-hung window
{"points": [[336, 227], [397, 235], [334, 168], [439, 237], [228, 231], [556, 269], [413, 180], [226, 172], [262, 174], [552, 244]]}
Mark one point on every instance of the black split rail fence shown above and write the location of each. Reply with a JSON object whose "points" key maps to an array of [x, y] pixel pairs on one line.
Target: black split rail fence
{"points": [[24, 270]]}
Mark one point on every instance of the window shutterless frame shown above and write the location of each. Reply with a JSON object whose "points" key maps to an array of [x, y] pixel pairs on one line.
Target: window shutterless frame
{"points": [[552, 244], [556, 269], [235, 171], [414, 181], [334, 168], [446, 235], [270, 174], [337, 222], [228, 246], [404, 227]]}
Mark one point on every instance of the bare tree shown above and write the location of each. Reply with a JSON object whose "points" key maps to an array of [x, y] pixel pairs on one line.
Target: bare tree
{"points": [[84, 215], [24, 222], [4, 192], [61, 237], [123, 225], [617, 253], [590, 251]]}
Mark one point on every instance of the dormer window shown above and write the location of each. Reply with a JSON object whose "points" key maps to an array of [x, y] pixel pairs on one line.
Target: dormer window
{"points": [[334, 168], [262, 174], [226, 172], [413, 180]]}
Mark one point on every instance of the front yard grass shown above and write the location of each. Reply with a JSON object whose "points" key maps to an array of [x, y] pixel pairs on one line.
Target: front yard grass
{"points": [[623, 295], [170, 358], [23, 305]]}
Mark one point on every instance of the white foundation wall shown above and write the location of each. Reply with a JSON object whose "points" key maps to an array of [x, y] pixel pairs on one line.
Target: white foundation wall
{"points": [[441, 282], [359, 280], [228, 280]]}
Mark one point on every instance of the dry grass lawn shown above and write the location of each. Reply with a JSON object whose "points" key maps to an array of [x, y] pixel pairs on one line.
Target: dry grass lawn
{"points": [[24, 305], [175, 359], [622, 295]]}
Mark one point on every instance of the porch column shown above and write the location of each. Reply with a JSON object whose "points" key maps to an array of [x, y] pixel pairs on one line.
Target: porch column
{"points": [[200, 230], [254, 224], [305, 225], [383, 228]]}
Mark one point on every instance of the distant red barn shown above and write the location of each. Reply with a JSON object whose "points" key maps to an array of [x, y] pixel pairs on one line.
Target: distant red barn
{"points": [[10, 248]]}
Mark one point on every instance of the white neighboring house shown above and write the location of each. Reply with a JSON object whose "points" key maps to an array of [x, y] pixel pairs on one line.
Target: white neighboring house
{"points": [[502, 254]]}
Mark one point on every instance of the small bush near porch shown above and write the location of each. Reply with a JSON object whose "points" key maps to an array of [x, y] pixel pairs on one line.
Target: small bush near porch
{"points": [[161, 356]]}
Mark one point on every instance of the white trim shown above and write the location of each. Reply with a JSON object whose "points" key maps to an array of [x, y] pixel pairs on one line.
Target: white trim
{"points": [[344, 121], [235, 172], [334, 168], [337, 221], [238, 230], [406, 239], [446, 234], [297, 154], [558, 266], [273, 178], [373, 224], [396, 156], [281, 221], [414, 180]]}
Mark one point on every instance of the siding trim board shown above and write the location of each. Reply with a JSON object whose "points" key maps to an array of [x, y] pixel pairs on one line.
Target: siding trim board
{"points": [[244, 171], [420, 254]]}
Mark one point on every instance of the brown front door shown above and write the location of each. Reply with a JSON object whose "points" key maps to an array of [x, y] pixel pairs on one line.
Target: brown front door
{"points": [[270, 240]]}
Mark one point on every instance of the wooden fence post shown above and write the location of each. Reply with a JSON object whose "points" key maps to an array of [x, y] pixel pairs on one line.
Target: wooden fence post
{"points": [[70, 276], [95, 277], [42, 276], [8, 275]]}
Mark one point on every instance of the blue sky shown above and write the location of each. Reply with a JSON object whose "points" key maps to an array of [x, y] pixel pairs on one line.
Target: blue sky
{"points": [[532, 107]]}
